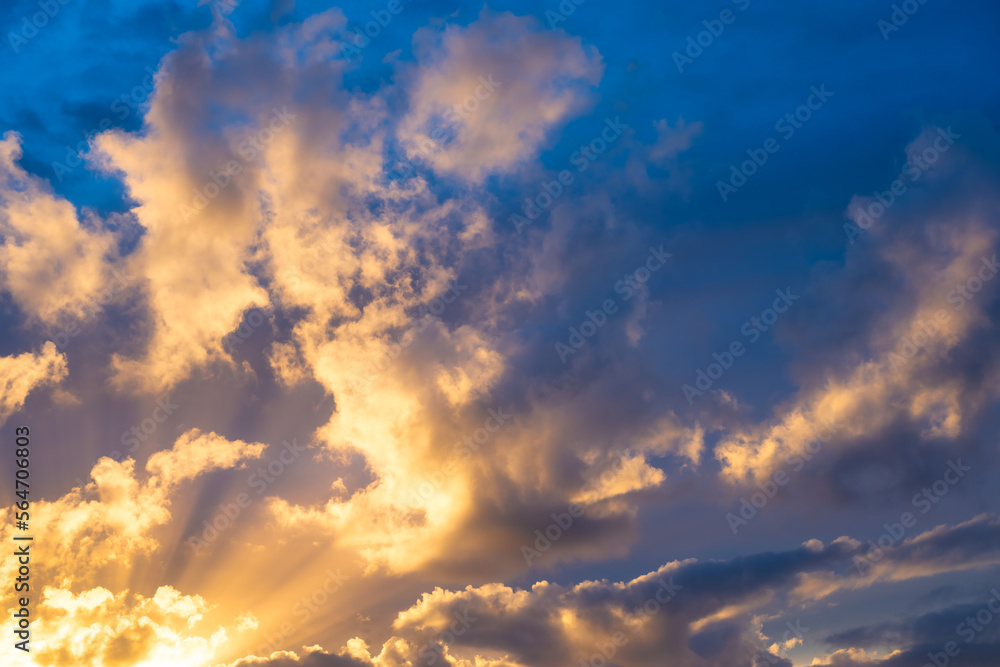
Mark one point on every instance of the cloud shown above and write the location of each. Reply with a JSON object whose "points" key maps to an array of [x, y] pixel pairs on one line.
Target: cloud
{"points": [[485, 97], [77, 622], [93, 537], [311, 657], [901, 370], [673, 140], [195, 453], [417, 326], [194, 171], [701, 613], [258, 180], [375, 274], [916, 637], [943, 549], [53, 266], [20, 374], [95, 628]]}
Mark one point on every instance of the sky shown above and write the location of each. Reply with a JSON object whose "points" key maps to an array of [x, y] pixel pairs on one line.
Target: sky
{"points": [[396, 333]]}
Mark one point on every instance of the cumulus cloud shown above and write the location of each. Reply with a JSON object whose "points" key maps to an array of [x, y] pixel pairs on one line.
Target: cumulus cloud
{"points": [[260, 181], [701, 613], [311, 657], [85, 541], [902, 370], [91, 536], [376, 276], [96, 628], [457, 432], [943, 549], [194, 171], [53, 264], [22, 373], [916, 637], [485, 97], [195, 453]]}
